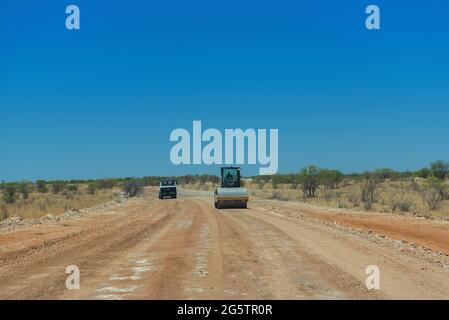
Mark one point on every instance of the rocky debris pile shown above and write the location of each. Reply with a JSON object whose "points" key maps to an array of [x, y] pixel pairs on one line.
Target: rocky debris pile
{"points": [[12, 222], [16, 222]]}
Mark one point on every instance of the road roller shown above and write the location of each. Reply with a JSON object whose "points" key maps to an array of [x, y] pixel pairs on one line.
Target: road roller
{"points": [[230, 194]]}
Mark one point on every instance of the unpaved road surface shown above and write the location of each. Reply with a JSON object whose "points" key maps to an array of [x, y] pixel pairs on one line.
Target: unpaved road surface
{"points": [[186, 249]]}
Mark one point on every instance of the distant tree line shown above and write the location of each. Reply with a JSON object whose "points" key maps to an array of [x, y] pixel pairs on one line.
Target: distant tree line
{"points": [[132, 186], [309, 179]]}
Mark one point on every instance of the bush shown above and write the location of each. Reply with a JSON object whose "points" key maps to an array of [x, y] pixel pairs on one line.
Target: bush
{"points": [[106, 183], [9, 195], [24, 190], [72, 187], [92, 188], [279, 195], [57, 186], [401, 205], [41, 186], [423, 173], [434, 193], [385, 173], [432, 198], [133, 188], [354, 198]]}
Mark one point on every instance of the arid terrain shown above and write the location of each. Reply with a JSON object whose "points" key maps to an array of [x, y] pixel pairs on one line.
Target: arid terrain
{"points": [[145, 248]]}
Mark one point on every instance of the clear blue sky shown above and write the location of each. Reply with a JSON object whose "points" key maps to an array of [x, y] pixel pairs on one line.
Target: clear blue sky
{"points": [[103, 100]]}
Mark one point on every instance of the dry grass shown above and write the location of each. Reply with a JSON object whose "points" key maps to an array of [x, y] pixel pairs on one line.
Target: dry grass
{"points": [[391, 196], [41, 204]]}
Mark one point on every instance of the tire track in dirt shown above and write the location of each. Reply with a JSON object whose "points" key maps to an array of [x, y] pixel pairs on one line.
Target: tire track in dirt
{"points": [[41, 274], [299, 273], [171, 264]]}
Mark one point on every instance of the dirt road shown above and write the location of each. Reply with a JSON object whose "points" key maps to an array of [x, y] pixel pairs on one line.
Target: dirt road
{"points": [[186, 249]]}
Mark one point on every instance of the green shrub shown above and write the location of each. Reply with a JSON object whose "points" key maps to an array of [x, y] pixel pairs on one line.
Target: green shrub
{"points": [[41, 186], [9, 195], [57, 186], [309, 178], [133, 188]]}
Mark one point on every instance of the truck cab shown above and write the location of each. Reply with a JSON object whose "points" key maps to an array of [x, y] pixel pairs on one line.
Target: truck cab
{"points": [[167, 189]]}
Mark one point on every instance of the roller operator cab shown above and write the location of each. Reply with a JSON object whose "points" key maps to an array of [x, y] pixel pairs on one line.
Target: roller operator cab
{"points": [[167, 189], [230, 194]]}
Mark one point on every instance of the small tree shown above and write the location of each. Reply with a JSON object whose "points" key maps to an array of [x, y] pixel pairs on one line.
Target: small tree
{"points": [[368, 187], [330, 178], [434, 193], [133, 188], [439, 169], [309, 179]]}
